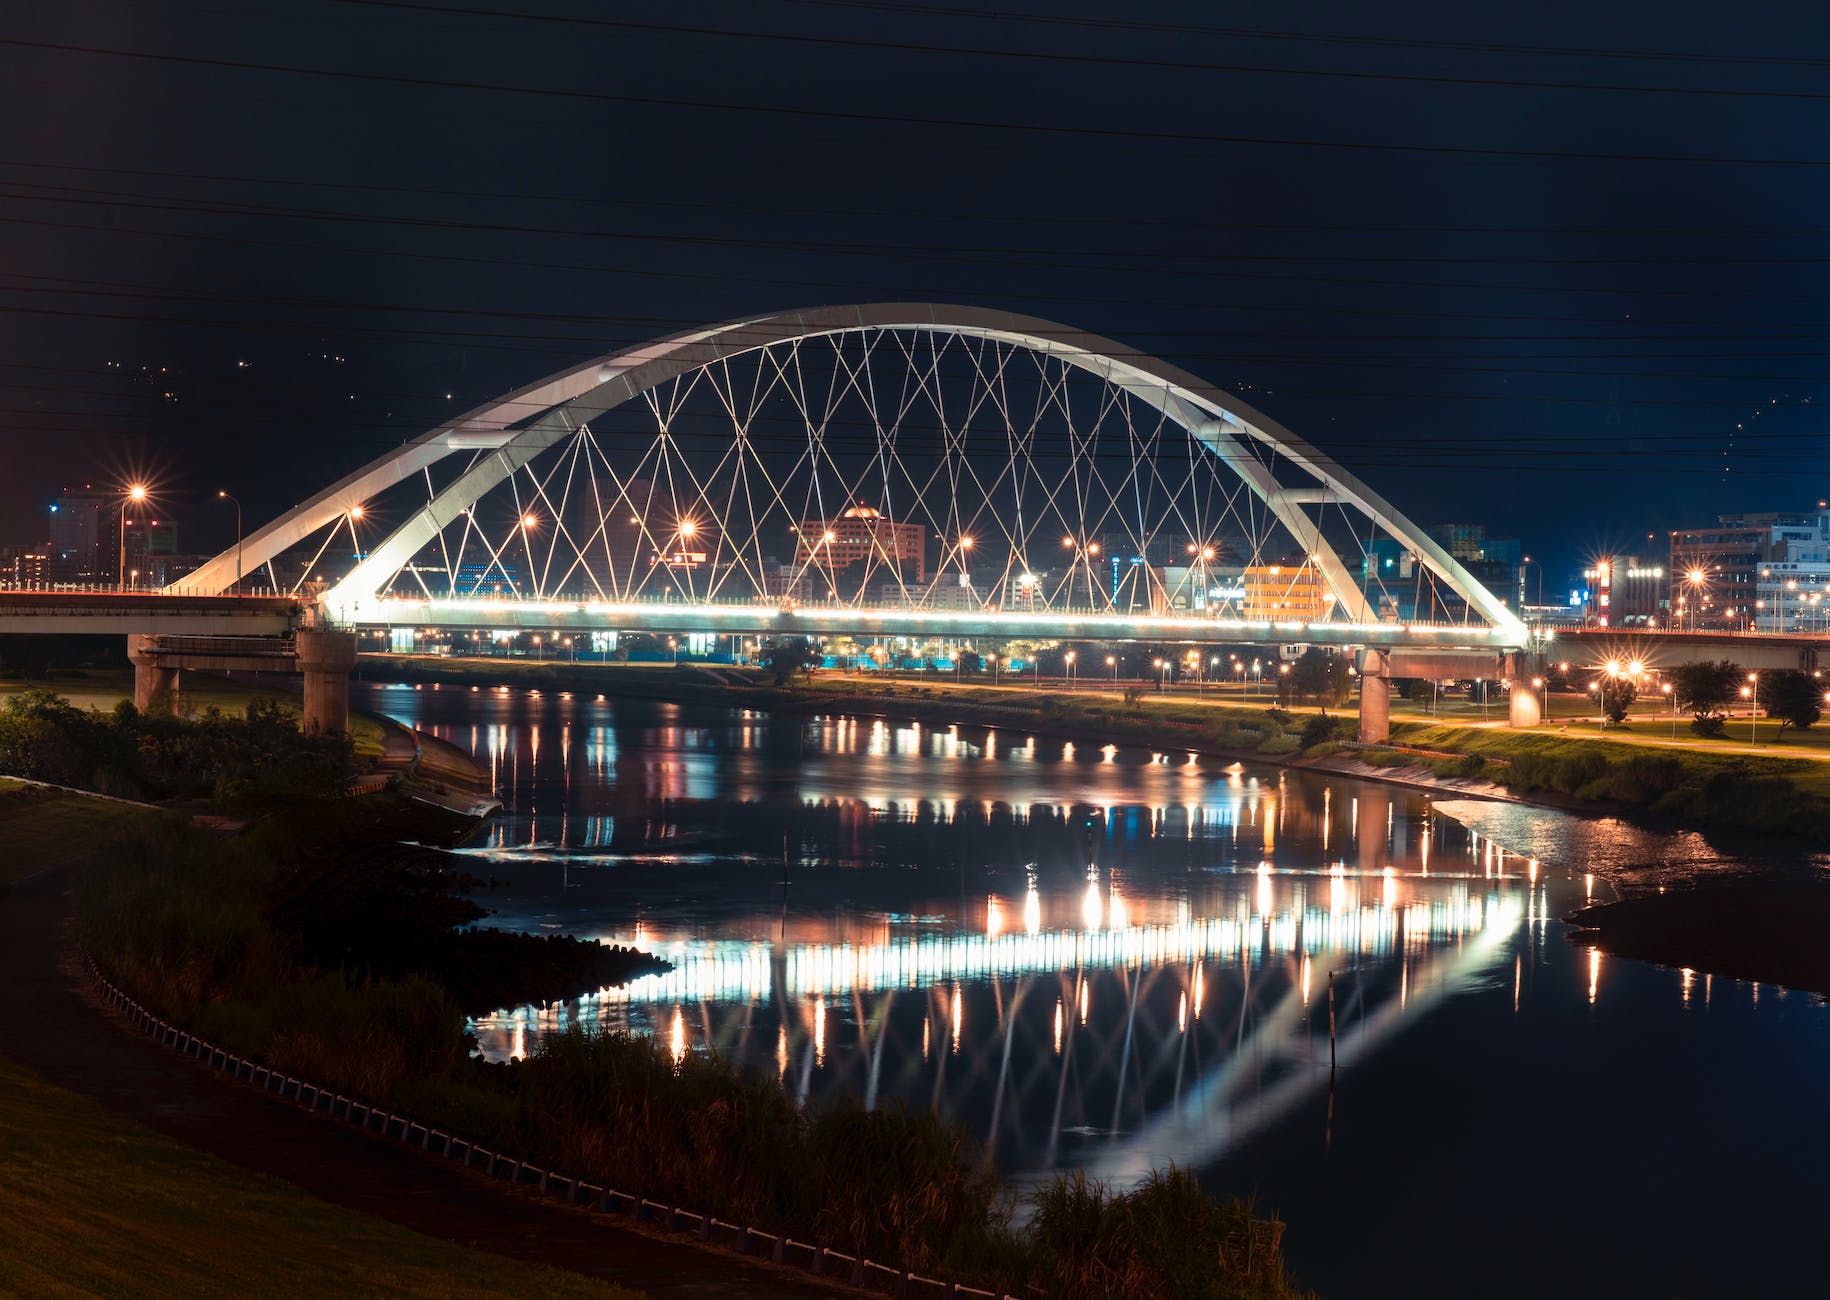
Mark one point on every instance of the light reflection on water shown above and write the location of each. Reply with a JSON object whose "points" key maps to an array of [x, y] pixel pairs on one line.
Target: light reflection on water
{"points": [[1116, 959]]}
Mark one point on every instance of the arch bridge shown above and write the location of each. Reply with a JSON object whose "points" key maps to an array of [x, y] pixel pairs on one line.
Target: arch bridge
{"points": [[912, 473]]}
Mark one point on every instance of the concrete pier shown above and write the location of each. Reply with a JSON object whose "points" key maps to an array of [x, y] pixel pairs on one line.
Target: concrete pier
{"points": [[325, 658], [155, 683]]}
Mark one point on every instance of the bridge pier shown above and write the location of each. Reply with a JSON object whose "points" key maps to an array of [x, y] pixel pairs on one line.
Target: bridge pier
{"points": [[1525, 705], [325, 658], [155, 686], [1375, 697]]}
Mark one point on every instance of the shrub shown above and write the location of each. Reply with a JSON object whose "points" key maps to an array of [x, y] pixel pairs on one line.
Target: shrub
{"points": [[1322, 727], [1165, 1239], [1279, 745]]}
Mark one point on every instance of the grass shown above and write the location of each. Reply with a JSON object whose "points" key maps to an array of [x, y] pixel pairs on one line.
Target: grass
{"points": [[42, 828], [95, 1204], [104, 688]]}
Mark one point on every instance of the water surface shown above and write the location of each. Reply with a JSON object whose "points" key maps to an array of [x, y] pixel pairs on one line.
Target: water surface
{"points": [[1119, 958]]}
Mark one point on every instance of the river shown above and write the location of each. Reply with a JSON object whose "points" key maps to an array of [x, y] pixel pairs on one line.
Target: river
{"points": [[1116, 959]]}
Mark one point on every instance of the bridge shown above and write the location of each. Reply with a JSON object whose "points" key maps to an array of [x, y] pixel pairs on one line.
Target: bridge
{"points": [[911, 473]]}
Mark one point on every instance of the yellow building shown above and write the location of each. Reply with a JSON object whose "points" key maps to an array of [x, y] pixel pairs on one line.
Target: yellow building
{"points": [[1286, 591]]}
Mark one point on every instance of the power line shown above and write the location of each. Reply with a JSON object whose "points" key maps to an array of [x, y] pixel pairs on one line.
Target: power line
{"points": [[901, 119], [1267, 34], [1081, 60], [904, 214]]}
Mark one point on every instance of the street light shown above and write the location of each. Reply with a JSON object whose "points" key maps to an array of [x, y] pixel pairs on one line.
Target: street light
{"points": [[224, 496], [1112, 663], [1069, 672], [1751, 693], [135, 494], [1665, 689]]}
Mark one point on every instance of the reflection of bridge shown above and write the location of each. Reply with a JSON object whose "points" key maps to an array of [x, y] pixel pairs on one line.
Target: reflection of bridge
{"points": [[903, 475], [1140, 1043]]}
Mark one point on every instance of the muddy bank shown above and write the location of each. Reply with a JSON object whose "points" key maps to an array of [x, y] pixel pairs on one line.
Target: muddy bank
{"points": [[1772, 931], [394, 910]]}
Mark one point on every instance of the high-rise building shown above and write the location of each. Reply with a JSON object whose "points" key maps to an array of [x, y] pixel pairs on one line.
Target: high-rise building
{"points": [[86, 535]]}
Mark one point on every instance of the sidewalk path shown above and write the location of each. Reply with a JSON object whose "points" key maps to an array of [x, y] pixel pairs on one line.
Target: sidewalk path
{"points": [[59, 1032]]}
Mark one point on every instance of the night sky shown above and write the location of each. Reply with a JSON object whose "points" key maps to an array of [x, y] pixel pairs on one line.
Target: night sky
{"points": [[1555, 270]]}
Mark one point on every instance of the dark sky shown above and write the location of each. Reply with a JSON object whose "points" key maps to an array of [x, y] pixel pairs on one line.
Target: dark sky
{"points": [[1559, 269]]}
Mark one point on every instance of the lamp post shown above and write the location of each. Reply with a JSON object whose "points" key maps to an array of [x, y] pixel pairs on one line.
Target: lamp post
{"points": [[1751, 693], [134, 494], [1543, 688], [1068, 671], [224, 496], [1112, 663]]}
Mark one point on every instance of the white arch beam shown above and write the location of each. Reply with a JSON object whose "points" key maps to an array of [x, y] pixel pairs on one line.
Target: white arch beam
{"points": [[536, 417]]}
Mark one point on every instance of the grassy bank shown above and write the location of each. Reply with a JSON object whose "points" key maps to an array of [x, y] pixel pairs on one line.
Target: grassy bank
{"points": [[95, 1204], [1693, 787], [41, 828], [102, 689]]}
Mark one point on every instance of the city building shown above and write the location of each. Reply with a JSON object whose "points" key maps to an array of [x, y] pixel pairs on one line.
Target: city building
{"points": [[1401, 588], [1624, 591], [25, 566], [1753, 570], [85, 535], [861, 544], [1284, 591]]}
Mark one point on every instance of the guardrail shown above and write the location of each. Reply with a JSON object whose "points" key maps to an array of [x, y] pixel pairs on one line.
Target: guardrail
{"points": [[713, 1233], [227, 647]]}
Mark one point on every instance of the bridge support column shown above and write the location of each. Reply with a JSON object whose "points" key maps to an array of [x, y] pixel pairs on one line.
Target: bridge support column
{"points": [[325, 660], [155, 688], [1525, 709], [1375, 698]]}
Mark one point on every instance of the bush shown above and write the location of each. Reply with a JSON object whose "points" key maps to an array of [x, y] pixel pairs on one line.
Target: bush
{"points": [[256, 758], [1279, 745], [1712, 724], [1165, 1239], [1322, 727]]}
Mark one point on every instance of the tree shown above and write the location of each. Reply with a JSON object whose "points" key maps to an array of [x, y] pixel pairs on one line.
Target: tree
{"points": [[1318, 677], [1706, 689], [1795, 698], [787, 656], [1617, 696]]}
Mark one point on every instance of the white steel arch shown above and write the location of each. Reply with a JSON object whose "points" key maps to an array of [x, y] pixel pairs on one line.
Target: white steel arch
{"points": [[516, 428]]}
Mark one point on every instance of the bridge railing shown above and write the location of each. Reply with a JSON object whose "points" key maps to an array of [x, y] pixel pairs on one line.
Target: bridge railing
{"points": [[227, 647]]}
